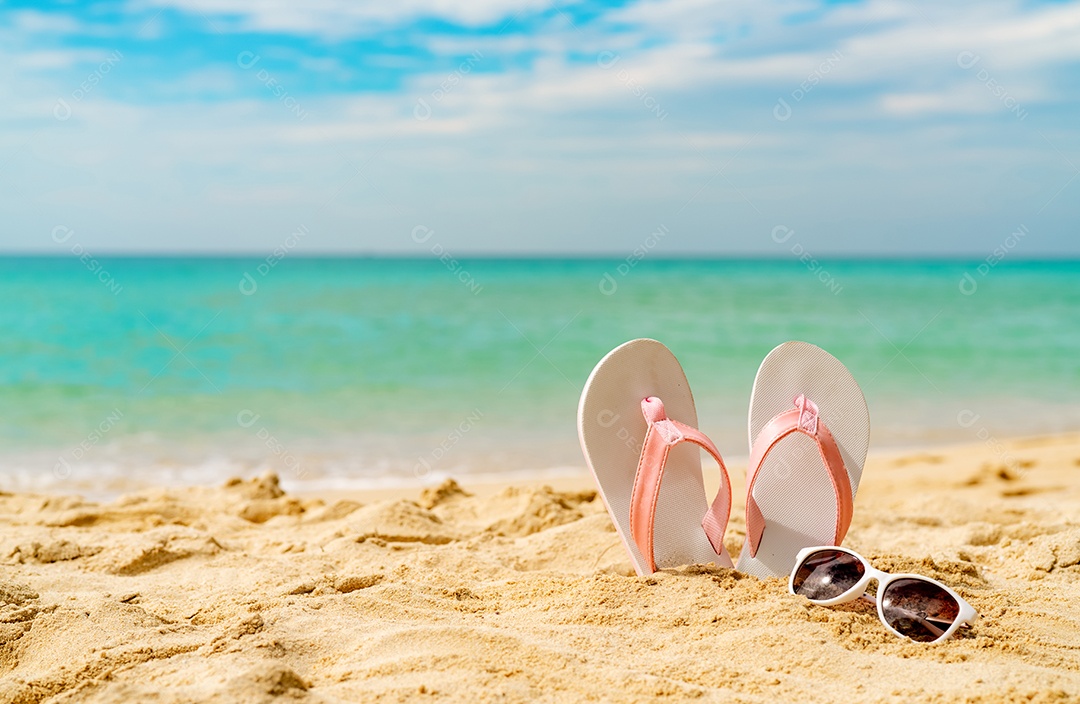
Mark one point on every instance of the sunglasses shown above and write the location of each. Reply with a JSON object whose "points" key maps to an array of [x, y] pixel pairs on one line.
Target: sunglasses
{"points": [[910, 605]]}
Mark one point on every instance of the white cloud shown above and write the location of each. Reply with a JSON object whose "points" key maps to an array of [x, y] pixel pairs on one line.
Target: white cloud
{"points": [[53, 59], [699, 20], [1004, 31], [907, 104], [335, 18], [31, 22], [556, 131]]}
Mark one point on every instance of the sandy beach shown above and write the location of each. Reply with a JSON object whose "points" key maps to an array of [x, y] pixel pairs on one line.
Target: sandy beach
{"points": [[240, 592], [321, 321]]}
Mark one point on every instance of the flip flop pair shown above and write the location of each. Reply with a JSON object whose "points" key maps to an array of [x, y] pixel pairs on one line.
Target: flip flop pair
{"points": [[809, 432]]}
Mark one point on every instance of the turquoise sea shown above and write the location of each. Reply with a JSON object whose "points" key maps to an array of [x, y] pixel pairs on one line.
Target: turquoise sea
{"points": [[118, 372]]}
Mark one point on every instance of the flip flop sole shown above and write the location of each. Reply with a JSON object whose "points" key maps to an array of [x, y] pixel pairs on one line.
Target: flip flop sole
{"points": [[611, 429], [793, 489]]}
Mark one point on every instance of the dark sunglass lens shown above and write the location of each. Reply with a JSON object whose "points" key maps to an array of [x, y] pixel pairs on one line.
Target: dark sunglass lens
{"points": [[920, 610], [826, 574]]}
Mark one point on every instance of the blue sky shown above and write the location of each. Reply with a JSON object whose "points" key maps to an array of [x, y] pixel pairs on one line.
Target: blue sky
{"points": [[531, 126]]}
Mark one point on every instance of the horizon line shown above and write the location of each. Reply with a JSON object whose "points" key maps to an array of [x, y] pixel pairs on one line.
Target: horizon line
{"points": [[552, 256]]}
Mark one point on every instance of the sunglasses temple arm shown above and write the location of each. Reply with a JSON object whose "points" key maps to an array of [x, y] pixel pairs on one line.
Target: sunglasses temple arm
{"points": [[925, 622], [913, 616]]}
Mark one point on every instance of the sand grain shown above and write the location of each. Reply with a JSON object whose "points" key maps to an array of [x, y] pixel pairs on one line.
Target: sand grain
{"points": [[244, 593]]}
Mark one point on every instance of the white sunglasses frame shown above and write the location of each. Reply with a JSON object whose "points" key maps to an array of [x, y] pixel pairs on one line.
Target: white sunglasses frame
{"points": [[966, 616]]}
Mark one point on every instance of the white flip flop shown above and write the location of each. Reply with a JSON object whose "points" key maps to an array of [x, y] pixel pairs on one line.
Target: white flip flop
{"points": [[809, 432], [638, 430]]}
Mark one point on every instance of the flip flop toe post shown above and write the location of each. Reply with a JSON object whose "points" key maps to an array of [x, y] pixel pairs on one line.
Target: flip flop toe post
{"points": [[638, 430], [809, 431]]}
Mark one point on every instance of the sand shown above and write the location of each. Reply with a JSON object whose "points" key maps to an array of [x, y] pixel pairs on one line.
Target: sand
{"points": [[523, 593]]}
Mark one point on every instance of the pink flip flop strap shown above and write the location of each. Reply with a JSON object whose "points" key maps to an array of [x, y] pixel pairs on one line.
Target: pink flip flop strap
{"points": [[801, 419], [662, 435]]}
